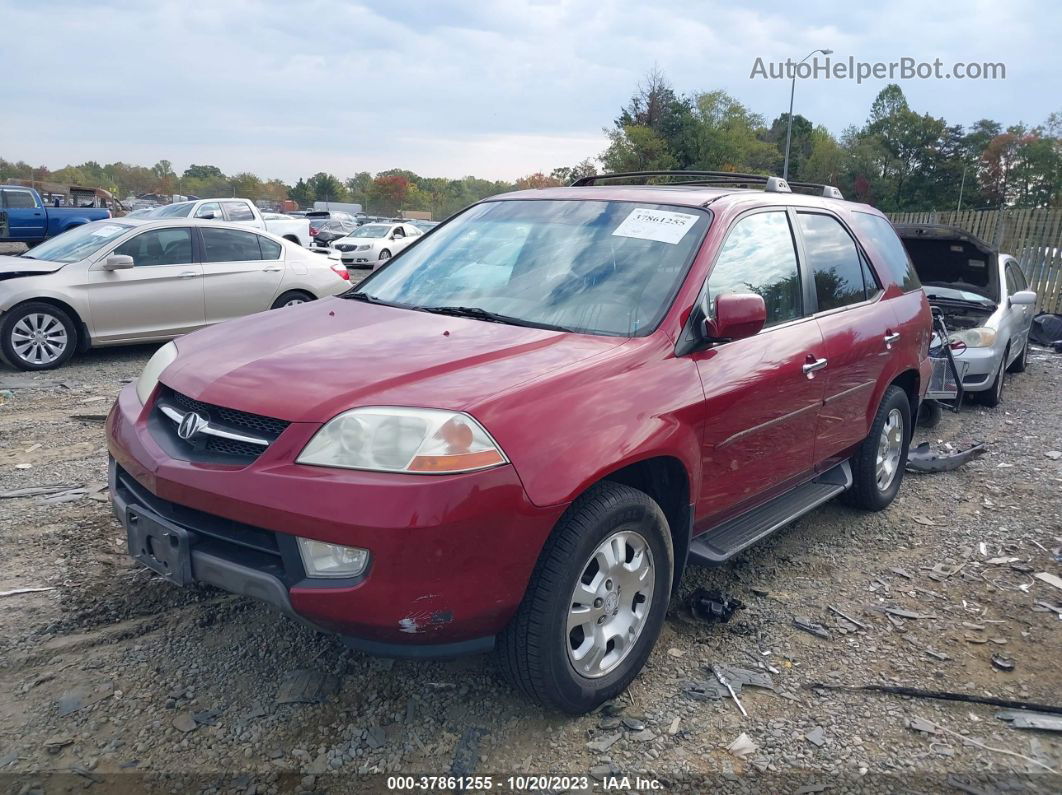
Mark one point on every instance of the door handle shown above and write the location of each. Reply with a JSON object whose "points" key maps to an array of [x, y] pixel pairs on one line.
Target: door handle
{"points": [[813, 365], [272, 269], [891, 337], [188, 275]]}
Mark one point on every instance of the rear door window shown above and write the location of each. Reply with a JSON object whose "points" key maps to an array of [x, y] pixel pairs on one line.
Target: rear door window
{"points": [[887, 245], [834, 260], [759, 257], [270, 248], [238, 211], [229, 245]]}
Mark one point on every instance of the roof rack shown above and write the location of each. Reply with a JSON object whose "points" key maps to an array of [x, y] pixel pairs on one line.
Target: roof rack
{"points": [[717, 178]]}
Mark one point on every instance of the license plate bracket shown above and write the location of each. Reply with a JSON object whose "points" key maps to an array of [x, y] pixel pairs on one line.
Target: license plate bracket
{"points": [[163, 547]]}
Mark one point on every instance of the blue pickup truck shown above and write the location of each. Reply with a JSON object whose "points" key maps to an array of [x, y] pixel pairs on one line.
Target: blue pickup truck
{"points": [[24, 217]]}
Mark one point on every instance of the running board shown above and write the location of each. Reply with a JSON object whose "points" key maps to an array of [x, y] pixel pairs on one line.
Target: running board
{"points": [[726, 540]]}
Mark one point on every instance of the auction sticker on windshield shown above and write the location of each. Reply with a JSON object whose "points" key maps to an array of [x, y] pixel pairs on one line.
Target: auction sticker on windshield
{"points": [[107, 230], [660, 225]]}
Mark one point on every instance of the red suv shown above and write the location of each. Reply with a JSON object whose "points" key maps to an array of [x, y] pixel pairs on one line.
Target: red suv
{"points": [[517, 433]]}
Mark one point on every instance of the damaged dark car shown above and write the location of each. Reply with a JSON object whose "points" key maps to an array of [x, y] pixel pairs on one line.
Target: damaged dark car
{"points": [[984, 298]]}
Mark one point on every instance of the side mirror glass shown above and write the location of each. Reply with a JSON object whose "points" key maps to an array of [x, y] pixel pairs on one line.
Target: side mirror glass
{"points": [[207, 216], [737, 315], [118, 262], [1023, 298]]}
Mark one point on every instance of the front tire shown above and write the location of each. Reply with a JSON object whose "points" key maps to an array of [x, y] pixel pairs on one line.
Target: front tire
{"points": [[878, 465], [384, 256], [595, 604], [37, 336]]}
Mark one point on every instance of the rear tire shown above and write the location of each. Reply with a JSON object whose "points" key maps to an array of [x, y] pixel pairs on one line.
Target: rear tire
{"points": [[291, 298], [878, 465], [992, 396], [37, 336], [1019, 364], [539, 651]]}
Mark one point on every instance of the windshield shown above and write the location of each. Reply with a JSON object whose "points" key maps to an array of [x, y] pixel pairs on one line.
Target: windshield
{"points": [[950, 293], [180, 210], [599, 267], [371, 230], [78, 243]]}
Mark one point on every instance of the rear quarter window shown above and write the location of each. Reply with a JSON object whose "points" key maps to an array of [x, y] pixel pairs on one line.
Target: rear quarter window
{"points": [[887, 249]]}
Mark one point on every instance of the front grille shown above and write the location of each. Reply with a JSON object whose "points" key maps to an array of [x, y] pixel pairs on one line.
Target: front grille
{"points": [[264, 426], [208, 448], [344, 247]]}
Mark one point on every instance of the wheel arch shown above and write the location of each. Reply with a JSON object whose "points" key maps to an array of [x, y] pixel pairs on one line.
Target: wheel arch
{"points": [[83, 342], [910, 381], [665, 479]]}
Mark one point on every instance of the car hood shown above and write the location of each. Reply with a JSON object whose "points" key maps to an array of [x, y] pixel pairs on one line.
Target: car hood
{"points": [[24, 266], [309, 363]]}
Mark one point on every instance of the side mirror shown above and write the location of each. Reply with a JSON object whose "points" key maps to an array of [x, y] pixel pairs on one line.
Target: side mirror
{"points": [[118, 262], [1023, 298], [737, 315], [207, 216]]}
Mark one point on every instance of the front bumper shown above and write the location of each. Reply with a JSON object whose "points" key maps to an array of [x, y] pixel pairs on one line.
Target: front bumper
{"points": [[981, 366], [451, 555], [356, 259]]}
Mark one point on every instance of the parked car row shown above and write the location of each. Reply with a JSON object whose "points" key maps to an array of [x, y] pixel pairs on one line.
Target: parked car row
{"points": [[238, 211]]}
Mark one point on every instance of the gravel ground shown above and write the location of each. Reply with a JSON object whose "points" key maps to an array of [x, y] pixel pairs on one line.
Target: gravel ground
{"points": [[116, 677]]}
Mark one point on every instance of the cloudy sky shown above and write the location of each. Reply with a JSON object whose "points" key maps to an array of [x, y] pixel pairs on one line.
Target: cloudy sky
{"points": [[495, 89]]}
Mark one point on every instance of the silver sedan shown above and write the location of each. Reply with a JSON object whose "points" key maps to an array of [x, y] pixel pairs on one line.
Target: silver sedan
{"points": [[128, 280]]}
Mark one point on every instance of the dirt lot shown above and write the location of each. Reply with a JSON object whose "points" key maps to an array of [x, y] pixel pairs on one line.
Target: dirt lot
{"points": [[115, 677]]}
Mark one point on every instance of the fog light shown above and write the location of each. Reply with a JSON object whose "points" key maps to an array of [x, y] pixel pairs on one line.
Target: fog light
{"points": [[321, 559]]}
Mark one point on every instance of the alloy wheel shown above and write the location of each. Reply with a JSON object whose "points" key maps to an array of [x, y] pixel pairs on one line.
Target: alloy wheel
{"points": [[39, 338], [890, 445], [294, 302], [610, 603]]}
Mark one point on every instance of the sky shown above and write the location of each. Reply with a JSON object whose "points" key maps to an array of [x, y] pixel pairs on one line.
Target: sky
{"points": [[493, 89]]}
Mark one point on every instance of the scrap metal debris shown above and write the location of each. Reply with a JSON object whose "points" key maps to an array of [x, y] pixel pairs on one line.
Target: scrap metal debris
{"points": [[1002, 663], [713, 606], [723, 681], [736, 678], [939, 695], [923, 459], [36, 491], [1021, 719], [742, 746], [1050, 579], [847, 617], [806, 624]]}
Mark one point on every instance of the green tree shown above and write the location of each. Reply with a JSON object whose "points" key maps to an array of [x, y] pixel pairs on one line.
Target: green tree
{"points": [[326, 188], [202, 172], [637, 148]]}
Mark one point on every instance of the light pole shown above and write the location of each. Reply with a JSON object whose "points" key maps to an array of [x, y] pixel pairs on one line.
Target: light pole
{"points": [[789, 126]]}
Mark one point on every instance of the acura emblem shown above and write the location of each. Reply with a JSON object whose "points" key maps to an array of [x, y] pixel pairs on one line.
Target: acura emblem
{"points": [[191, 424]]}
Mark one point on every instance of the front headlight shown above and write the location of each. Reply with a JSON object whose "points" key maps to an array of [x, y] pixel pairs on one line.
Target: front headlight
{"points": [[366, 247], [974, 337], [386, 439], [162, 359]]}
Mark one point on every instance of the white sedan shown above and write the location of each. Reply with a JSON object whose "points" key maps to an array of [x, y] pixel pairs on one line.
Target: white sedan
{"points": [[371, 245], [131, 280]]}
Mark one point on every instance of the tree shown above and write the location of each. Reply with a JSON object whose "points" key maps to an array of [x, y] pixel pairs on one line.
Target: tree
{"points": [[387, 195], [637, 148], [537, 181], [567, 174], [800, 144], [301, 193], [326, 188], [202, 172]]}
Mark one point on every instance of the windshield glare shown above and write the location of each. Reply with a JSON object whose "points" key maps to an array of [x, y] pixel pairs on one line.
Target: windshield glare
{"points": [[180, 210], [78, 243], [371, 230], [599, 267]]}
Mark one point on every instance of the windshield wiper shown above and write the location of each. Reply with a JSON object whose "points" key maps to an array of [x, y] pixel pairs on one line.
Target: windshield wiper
{"points": [[357, 295], [478, 313]]}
